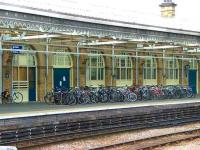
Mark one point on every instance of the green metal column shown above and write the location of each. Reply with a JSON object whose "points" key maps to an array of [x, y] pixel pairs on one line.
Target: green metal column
{"points": [[47, 65], [136, 69], [78, 65], [1, 66], [182, 71], [113, 65], [164, 71]]}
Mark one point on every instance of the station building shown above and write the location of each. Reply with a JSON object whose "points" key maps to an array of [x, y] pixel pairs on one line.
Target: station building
{"points": [[42, 49]]}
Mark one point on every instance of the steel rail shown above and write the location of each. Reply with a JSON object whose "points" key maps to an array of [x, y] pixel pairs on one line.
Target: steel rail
{"points": [[154, 141], [70, 130]]}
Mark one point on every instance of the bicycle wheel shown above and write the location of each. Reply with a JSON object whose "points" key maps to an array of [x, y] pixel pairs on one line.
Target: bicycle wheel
{"points": [[93, 98], [71, 99], [49, 98], [17, 97], [189, 94], [105, 98], [85, 98], [132, 97]]}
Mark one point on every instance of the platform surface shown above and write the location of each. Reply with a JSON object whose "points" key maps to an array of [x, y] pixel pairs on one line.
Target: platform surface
{"points": [[37, 109]]}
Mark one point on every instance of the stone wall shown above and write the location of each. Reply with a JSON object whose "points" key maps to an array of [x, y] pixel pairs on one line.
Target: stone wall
{"points": [[109, 80]]}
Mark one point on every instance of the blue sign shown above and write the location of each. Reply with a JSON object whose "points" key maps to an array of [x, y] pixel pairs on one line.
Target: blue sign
{"points": [[17, 48]]}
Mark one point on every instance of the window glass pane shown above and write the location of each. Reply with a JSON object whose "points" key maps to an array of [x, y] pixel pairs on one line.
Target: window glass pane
{"points": [[154, 63], [88, 73], [195, 65], [93, 61], [145, 73], [123, 62], [129, 62], [175, 64], [171, 64], [149, 73], [100, 74], [148, 63], [129, 73], [123, 73], [191, 64], [176, 74], [93, 74], [67, 60], [117, 62], [117, 73], [154, 73], [60, 60], [171, 73], [167, 74]]}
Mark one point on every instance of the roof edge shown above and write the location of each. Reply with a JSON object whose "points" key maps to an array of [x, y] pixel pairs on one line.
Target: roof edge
{"points": [[74, 17]]}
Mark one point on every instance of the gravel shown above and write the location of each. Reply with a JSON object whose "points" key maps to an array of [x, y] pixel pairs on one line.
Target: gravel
{"points": [[98, 141], [190, 145]]}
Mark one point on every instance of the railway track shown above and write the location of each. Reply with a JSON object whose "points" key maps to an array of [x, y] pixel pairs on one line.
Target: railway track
{"points": [[55, 132], [153, 141]]}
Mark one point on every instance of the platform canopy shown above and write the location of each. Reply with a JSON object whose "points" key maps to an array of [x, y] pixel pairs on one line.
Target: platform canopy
{"points": [[73, 22]]}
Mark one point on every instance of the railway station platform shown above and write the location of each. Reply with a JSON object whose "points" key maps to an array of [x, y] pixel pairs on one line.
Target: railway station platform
{"points": [[31, 124], [9, 111]]}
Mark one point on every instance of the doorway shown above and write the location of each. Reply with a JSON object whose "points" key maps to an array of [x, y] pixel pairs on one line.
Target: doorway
{"points": [[192, 80], [61, 78]]}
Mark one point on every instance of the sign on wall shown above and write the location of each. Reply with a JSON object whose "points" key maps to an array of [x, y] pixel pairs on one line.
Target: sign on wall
{"points": [[16, 49]]}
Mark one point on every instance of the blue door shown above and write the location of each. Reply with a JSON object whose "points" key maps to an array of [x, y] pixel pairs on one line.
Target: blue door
{"points": [[32, 84], [192, 80], [61, 78]]}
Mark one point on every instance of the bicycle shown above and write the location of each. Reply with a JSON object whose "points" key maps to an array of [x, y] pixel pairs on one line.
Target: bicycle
{"points": [[56, 96], [16, 97]]}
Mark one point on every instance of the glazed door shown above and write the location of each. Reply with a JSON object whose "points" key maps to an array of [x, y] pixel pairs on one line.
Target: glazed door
{"points": [[192, 80], [61, 78], [32, 84]]}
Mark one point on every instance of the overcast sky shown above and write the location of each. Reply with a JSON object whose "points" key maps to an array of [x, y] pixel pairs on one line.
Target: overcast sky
{"points": [[138, 11], [184, 9]]}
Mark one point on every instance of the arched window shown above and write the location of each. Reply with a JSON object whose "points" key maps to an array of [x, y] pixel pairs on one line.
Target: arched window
{"points": [[24, 60], [123, 65], [95, 66], [150, 72], [60, 60], [172, 67]]}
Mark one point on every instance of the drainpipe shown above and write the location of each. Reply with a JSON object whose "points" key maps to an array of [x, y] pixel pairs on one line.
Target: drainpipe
{"points": [[1, 66], [182, 75], [47, 65], [78, 65], [136, 68], [113, 65], [164, 71]]}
